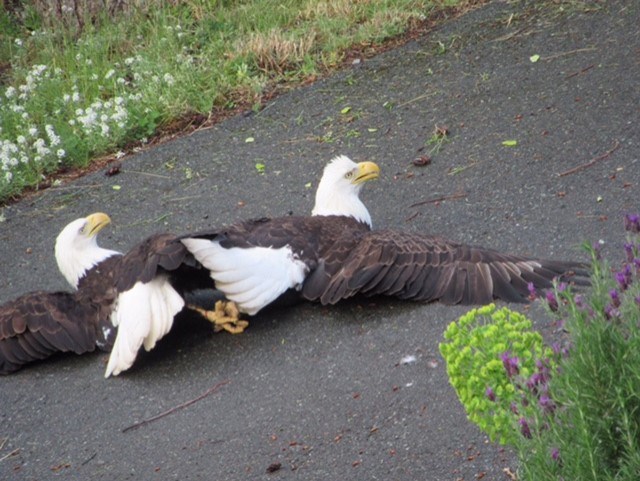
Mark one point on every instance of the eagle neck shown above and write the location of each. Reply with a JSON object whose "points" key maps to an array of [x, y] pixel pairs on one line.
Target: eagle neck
{"points": [[330, 203], [73, 265]]}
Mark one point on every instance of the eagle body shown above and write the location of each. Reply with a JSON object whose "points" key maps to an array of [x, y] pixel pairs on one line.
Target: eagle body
{"points": [[254, 262], [330, 258], [119, 303]]}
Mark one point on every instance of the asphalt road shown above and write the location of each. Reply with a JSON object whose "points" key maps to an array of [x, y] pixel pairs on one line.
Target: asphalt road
{"points": [[323, 391]]}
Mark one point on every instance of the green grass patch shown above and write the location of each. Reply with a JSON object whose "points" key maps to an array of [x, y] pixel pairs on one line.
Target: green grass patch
{"points": [[77, 83]]}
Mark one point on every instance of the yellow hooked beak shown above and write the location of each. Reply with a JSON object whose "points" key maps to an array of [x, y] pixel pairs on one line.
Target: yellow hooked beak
{"points": [[95, 223], [366, 171]]}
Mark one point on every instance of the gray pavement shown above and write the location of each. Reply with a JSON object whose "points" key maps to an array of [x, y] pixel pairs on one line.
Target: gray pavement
{"points": [[322, 391]]}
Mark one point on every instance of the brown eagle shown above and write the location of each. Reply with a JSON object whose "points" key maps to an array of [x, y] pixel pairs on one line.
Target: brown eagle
{"points": [[335, 254]]}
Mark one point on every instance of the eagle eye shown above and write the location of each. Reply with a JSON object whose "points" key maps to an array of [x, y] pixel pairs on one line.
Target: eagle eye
{"points": [[348, 175]]}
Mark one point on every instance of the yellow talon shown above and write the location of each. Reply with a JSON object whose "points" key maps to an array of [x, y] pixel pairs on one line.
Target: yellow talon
{"points": [[226, 316]]}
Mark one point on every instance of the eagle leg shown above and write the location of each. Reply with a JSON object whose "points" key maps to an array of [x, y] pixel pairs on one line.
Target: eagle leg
{"points": [[226, 316]]}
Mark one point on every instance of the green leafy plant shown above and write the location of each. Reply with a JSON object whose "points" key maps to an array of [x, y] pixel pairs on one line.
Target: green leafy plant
{"points": [[575, 412], [498, 365]]}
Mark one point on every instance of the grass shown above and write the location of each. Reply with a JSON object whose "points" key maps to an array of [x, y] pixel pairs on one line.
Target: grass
{"points": [[80, 82], [577, 415]]}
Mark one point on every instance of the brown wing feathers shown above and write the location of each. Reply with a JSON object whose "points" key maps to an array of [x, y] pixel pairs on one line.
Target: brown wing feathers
{"points": [[426, 268], [38, 324]]}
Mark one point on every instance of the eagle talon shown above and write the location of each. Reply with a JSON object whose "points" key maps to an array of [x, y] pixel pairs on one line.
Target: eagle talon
{"points": [[225, 316]]}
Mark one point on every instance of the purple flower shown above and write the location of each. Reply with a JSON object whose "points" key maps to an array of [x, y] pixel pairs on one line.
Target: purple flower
{"points": [[597, 249], [524, 428], [532, 291], [632, 223], [624, 277], [552, 301], [555, 454], [615, 298], [532, 383], [514, 407], [510, 364], [580, 302], [490, 394], [547, 404], [562, 286], [611, 312], [629, 249]]}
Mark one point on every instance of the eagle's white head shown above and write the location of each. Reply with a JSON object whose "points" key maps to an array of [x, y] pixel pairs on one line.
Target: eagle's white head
{"points": [[339, 188], [77, 249]]}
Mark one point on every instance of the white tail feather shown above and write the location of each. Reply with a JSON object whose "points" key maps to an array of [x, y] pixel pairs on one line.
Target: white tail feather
{"points": [[251, 277], [144, 314]]}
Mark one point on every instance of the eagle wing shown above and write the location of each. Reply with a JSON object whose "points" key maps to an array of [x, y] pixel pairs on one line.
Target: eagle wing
{"points": [[38, 324], [151, 281], [257, 261], [427, 268]]}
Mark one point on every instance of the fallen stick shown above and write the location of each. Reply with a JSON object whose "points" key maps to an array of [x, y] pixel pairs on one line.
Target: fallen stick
{"points": [[586, 69], [592, 161], [209, 391], [12, 453], [459, 195]]}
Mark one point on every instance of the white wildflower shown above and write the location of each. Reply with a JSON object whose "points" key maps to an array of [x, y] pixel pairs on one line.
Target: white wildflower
{"points": [[21, 139], [18, 42], [168, 78], [61, 153], [33, 131], [10, 92], [75, 97], [66, 98], [109, 74], [54, 139]]}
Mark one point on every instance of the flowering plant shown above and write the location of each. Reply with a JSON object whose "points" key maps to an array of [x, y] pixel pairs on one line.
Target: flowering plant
{"points": [[499, 368], [571, 411]]}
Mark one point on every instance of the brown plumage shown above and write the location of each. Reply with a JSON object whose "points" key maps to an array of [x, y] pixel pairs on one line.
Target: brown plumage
{"points": [[39, 324], [427, 268], [343, 257]]}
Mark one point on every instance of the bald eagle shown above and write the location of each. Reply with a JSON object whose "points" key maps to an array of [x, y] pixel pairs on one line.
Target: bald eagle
{"points": [[143, 290], [335, 254]]}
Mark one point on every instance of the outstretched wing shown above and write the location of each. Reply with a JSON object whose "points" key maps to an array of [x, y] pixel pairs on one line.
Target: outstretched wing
{"points": [[38, 324], [427, 268], [151, 280]]}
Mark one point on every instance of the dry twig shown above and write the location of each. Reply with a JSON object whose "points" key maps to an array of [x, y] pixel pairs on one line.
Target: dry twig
{"points": [[8, 455], [592, 161], [459, 195], [209, 391]]}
